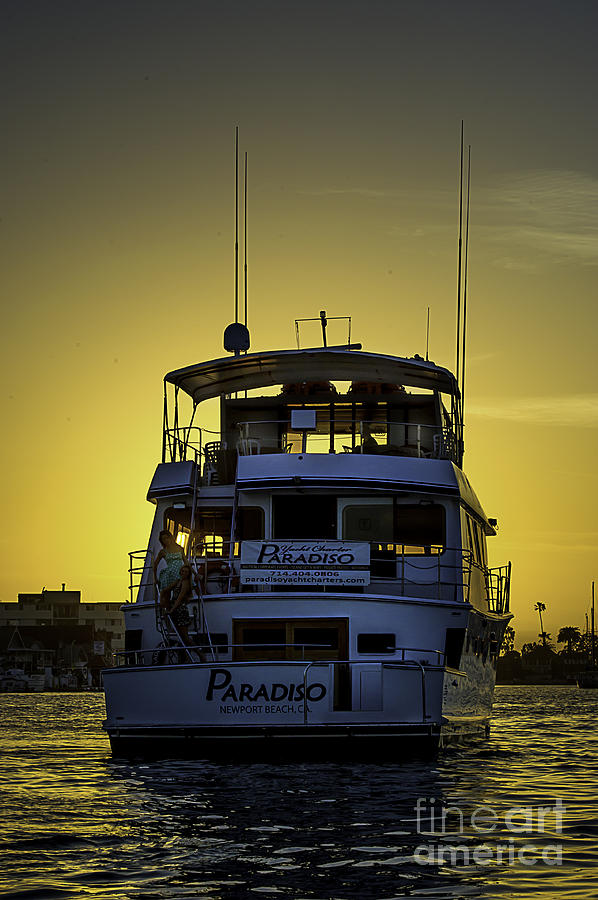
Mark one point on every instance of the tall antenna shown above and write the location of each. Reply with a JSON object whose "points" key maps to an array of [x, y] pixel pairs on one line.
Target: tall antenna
{"points": [[593, 637], [236, 335], [245, 239], [459, 260], [237, 224], [465, 288], [427, 334]]}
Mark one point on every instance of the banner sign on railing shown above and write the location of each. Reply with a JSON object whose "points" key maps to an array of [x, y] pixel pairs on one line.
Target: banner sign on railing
{"points": [[305, 562]]}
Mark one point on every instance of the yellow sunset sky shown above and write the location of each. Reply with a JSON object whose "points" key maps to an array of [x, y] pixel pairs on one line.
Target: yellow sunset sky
{"points": [[118, 229]]}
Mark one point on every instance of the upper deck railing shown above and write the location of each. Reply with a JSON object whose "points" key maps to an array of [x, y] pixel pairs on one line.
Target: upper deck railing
{"points": [[219, 455], [426, 572], [338, 434]]}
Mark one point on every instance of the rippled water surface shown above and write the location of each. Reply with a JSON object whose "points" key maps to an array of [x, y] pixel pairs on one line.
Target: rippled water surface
{"points": [[78, 823]]}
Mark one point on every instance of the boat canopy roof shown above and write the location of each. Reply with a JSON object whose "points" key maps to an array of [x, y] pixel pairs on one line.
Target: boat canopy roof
{"points": [[255, 370]]}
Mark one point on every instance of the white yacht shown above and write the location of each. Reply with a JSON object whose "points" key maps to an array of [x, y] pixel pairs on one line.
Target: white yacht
{"points": [[343, 601]]}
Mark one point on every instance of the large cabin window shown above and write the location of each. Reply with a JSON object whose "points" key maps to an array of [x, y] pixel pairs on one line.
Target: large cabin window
{"points": [[304, 517], [419, 528], [211, 528]]}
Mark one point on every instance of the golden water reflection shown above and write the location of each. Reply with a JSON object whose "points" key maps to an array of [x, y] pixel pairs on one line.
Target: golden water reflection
{"points": [[78, 822]]}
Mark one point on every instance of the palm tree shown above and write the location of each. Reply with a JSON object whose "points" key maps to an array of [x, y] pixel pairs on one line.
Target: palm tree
{"points": [[569, 635], [546, 640], [540, 608], [508, 641]]}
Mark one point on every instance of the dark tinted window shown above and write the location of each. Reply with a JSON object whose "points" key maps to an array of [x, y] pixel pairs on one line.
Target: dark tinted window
{"points": [[376, 643], [304, 517], [133, 638], [419, 525], [250, 525]]}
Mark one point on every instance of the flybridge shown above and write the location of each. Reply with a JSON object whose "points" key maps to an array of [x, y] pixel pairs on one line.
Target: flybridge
{"points": [[258, 370], [329, 400]]}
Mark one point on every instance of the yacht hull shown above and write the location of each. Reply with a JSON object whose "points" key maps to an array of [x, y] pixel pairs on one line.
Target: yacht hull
{"points": [[383, 742], [376, 710]]}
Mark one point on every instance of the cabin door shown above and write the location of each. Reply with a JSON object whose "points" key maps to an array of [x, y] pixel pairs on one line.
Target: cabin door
{"points": [[298, 639]]}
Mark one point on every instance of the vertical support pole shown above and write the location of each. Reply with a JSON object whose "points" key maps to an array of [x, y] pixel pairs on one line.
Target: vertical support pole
{"points": [[164, 424], [331, 444], [324, 321]]}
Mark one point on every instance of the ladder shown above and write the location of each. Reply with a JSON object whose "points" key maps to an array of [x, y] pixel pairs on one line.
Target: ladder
{"points": [[233, 529], [203, 624], [164, 623]]}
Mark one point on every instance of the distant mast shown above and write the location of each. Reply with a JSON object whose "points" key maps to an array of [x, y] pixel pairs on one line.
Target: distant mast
{"points": [[462, 269], [245, 239], [593, 633], [465, 268], [237, 224], [236, 335], [459, 255]]}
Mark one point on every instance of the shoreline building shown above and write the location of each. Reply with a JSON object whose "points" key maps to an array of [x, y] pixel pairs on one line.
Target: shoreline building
{"points": [[65, 608], [53, 640]]}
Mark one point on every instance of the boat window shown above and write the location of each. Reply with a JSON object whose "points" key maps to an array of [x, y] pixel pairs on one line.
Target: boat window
{"points": [[211, 528], [250, 523], [420, 527], [177, 522], [483, 548], [302, 517], [376, 643], [307, 639], [475, 540], [369, 523]]}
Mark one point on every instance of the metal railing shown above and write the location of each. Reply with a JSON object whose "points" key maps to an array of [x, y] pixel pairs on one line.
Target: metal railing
{"points": [[435, 572], [441, 578], [498, 586], [392, 438], [179, 647], [183, 444], [430, 571], [384, 664], [336, 434], [138, 568], [252, 647]]}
